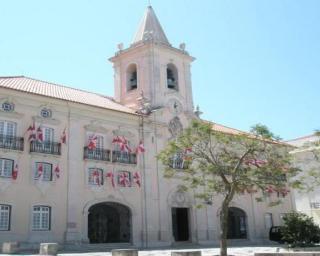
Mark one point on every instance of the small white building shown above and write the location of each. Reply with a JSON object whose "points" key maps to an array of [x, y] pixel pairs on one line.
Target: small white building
{"points": [[306, 157], [90, 189]]}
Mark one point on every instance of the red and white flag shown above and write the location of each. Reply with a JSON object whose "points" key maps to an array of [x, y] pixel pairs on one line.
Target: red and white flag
{"points": [[269, 189], [116, 140], [124, 179], [57, 171], [124, 145], [187, 154], [39, 170], [32, 132], [140, 148], [136, 179], [39, 134], [63, 138], [96, 177], [255, 162], [15, 172], [283, 191], [92, 144], [110, 176]]}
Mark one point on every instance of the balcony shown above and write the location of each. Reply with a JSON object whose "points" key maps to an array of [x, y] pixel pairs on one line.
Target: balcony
{"points": [[96, 154], [178, 161], [11, 142], [52, 148], [124, 157]]}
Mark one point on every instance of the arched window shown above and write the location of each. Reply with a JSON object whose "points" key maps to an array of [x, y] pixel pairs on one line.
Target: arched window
{"points": [[109, 222], [237, 219], [172, 77], [132, 79]]}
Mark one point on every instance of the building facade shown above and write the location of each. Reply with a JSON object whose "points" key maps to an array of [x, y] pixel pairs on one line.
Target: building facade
{"points": [[306, 157], [67, 174]]}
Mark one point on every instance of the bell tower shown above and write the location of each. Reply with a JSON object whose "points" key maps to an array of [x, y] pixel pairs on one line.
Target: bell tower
{"points": [[153, 66]]}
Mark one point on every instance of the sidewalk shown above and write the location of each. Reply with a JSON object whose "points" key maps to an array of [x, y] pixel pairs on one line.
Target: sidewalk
{"points": [[236, 251]]}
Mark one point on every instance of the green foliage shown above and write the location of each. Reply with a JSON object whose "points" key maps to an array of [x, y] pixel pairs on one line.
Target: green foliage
{"points": [[215, 163], [300, 230], [228, 164], [262, 131]]}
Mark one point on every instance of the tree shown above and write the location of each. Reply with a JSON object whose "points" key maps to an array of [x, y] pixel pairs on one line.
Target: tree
{"points": [[217, 163], [310, 178], [300, 230]]}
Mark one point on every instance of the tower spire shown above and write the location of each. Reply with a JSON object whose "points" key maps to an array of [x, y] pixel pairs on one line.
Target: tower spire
{"points": [[150, 28]]}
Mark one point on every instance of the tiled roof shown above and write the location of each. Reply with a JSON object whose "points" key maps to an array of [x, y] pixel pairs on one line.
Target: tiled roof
{"points": [[225, 129], [34, 86], [233, 131]]}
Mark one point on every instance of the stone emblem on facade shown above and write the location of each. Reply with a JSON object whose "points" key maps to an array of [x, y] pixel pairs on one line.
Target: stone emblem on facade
{"points": [[175, 127], [175, 106]]}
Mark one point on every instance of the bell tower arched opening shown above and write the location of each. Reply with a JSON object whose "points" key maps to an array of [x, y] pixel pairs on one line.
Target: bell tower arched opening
{"points": [[172, 77], [132, 78]]}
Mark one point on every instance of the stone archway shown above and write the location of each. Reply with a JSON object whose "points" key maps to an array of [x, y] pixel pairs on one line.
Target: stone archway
{"points": [[109, 222], [237, 223]]}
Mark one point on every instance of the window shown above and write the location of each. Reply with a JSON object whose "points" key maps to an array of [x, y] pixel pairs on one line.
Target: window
{"points": [[125, 143], [45, 113], [6, 167], [315, 205], [172, 77], [43, 171], [178, 161], [48, 134], [95, 176], [121, 152], [132, 81], [8, 128], [5, 215], [7, 106], [41, 218], [124, 179], [100, 142], [268, 221]]}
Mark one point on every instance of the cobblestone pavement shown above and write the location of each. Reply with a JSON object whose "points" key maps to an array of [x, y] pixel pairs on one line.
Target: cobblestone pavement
{"points": [[235, 251]]}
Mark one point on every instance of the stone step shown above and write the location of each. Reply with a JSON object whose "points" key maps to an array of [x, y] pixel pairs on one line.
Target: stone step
{"points": [[96, 247]]}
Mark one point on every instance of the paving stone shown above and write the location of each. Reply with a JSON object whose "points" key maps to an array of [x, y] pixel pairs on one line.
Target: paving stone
{"points": [[48, 249], [10, 247]]}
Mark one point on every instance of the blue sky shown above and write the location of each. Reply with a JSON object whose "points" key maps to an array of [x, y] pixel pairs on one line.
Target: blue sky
{"points": [[257, 61]]}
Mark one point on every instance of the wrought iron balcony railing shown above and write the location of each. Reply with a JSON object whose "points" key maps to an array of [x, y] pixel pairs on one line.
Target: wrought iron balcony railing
{"points": [[11, 142], [97, 154], [124, 157], [53, 148], [178, 161]]}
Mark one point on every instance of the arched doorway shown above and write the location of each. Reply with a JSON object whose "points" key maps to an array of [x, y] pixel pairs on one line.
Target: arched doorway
{"points": [[109, 223], [237, 223]]}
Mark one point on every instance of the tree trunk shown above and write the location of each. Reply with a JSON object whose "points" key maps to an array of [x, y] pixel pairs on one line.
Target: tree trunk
{"points": [[224, 221], [224, 228]]}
